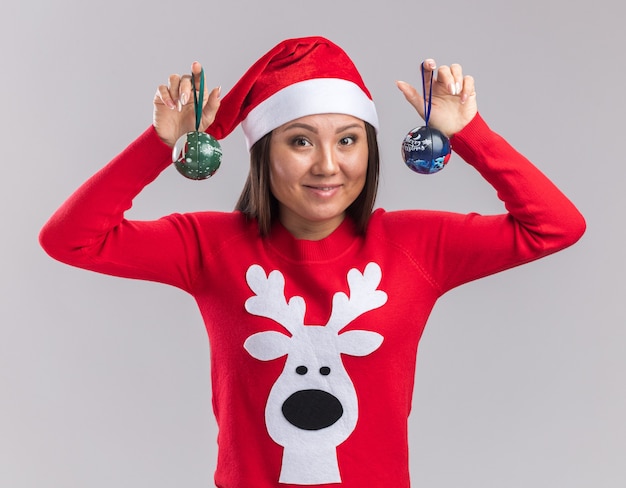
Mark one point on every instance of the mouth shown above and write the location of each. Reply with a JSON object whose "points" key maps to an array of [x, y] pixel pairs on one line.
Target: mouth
{"points": [[322, 187], [323, 191]]}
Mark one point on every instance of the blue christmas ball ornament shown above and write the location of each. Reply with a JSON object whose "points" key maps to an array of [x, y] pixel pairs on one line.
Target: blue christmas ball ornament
{"points": [[426, 150]]}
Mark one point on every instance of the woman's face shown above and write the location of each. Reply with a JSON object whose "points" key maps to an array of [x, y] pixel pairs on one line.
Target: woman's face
{"points": [[318, 166]]}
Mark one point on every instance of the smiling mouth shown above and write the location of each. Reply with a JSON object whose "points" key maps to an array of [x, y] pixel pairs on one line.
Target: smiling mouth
{"points": [[323, 188]]}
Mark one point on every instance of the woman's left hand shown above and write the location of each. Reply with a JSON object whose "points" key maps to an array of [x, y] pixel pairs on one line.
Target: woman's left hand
{"points": [[453, 97]]}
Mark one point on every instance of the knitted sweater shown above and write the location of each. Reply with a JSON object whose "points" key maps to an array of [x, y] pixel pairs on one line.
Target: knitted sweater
{"points": [[313, 343]]}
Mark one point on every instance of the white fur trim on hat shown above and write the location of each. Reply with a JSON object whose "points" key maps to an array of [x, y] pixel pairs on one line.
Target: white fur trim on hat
{"points": [[309, 97]]}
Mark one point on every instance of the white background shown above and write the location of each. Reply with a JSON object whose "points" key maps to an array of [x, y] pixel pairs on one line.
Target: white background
{"points": [[105, 382]]}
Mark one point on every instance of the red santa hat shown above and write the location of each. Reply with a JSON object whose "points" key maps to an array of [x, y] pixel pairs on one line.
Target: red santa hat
{"points": [[297, 77]]}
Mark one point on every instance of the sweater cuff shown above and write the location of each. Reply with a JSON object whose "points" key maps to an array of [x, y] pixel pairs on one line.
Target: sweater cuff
{"points": [[152, 148], [477, 134]]}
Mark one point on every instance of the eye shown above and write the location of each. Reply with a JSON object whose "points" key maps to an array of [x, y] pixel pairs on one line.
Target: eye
{"points": [[324, 370], [300, 141], [347, 141], [302, 370]]}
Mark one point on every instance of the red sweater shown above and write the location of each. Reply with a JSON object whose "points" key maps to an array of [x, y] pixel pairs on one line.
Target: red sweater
{"points": [[313, 365]]}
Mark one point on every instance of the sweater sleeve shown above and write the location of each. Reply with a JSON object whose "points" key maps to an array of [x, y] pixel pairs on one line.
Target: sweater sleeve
{"points": [[89, 229], [540, 219]]}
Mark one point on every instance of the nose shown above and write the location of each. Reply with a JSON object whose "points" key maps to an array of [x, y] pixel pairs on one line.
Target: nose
{"points": [[312, 409], [326, 162]]}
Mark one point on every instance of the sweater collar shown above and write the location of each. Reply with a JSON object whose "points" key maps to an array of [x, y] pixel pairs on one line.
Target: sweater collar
{"points": [[301, 250]]}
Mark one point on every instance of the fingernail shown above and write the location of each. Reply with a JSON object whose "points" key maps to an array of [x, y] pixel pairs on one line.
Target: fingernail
{"points": [[458, 87], [219, 91], [180, 106], [452, 88], [183, 99], [463, 98], [171, 105]]}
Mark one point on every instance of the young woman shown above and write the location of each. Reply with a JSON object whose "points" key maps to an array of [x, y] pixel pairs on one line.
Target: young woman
{"points": [[314, 303]]}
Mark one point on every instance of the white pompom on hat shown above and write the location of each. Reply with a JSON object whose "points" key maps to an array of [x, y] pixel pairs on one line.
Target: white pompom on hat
{"points": [[298, 77]]}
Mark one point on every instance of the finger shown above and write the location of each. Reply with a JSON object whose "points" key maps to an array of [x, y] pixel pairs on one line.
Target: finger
{"points": [[445, 79], [457, 75], [184, 91], [469, 89], [163, 96], [176, 85], [196, 71], [429, 65], [173, 84], [428, 68], [198, 77], [188, 83], [412, 96], [212, 105]]}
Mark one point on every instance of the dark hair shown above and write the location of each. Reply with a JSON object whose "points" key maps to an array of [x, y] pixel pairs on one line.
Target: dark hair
{"points": [[257, 202]]}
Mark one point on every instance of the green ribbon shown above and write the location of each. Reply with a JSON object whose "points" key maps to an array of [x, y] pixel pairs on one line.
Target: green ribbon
{"points": [[198, 99]]}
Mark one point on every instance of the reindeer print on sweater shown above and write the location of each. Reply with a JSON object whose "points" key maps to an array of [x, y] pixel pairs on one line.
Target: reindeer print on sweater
{"points": [[312, 407]]}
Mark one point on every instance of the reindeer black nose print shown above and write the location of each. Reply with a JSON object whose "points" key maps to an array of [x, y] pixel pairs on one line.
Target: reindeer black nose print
{"points": [[312, 409]]}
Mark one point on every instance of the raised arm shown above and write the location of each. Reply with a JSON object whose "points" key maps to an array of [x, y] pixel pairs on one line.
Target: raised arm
{"points": [[90, 231], [540, 219]]}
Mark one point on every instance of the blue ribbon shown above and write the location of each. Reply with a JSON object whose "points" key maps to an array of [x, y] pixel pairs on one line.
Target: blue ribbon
{"points": [[427, 104]]}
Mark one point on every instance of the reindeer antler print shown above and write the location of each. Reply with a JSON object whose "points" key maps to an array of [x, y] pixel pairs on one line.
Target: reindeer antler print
{"points": [[363, 297], [269, 300]]}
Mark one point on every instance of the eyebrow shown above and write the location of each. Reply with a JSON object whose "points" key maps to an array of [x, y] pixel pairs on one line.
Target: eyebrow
{"points": [[300, 125]]}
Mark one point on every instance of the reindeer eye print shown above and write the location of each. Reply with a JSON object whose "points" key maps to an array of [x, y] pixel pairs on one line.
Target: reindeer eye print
{"points": [[325, 370], [302, 370]]}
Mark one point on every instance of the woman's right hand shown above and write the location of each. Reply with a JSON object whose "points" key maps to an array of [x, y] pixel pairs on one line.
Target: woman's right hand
{"points": [[174, 112]]}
